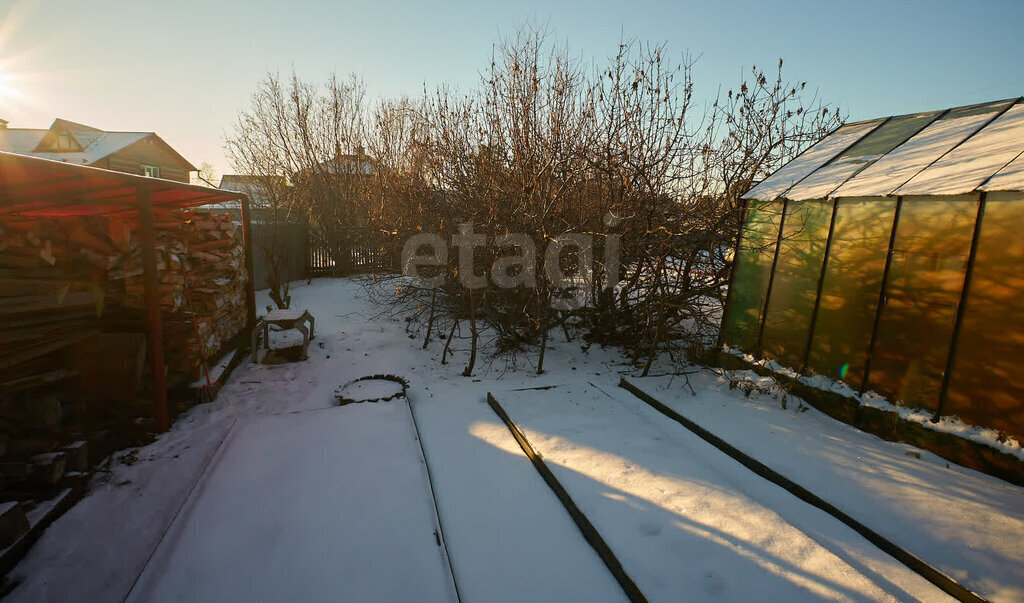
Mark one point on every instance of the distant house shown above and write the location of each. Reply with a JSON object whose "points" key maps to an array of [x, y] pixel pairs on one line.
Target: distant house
{"points": [[261, 189], [142, 153]]}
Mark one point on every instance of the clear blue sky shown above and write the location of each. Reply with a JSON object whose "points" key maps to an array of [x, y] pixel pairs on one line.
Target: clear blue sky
{"points": [[185, 68]]}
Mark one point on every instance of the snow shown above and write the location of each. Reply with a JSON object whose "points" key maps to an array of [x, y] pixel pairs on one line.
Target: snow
{"points": [[370, 389], [900, 165], [946, 424], [685, 517], [285, 315], [968, 524], [308, 500], [972, 163], [827, 179], [350, 501], [1009, 178], [810, 160]]}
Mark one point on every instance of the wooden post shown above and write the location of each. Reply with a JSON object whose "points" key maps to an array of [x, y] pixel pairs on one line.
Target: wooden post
{"points": [[250, 286], [154, 325]]}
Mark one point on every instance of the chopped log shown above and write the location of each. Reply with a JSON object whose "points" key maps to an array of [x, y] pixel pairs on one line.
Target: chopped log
{"points": [[16, 470], [13, 523], [120, 232], [26, 447], [86, 239], [215, 244], [17, 261], [45, 412], [49, 467], [77, 455]]}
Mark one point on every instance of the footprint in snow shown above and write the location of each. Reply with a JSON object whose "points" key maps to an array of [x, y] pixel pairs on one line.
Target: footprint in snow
{"points": [[650, 529], [713, 584]]}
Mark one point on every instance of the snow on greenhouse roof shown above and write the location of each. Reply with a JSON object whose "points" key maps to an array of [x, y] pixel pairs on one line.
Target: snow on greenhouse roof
{"points": [[957, 151], [968, 166], [1010, 178], [810, 160]]}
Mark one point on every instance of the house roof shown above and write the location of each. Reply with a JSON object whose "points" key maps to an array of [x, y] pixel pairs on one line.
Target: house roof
{"points": [[260, 189], [42, 187], [95, 144], [952, 152]]}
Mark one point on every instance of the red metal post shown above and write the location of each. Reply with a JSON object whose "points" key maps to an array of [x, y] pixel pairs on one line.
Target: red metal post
{"points": [[250, 286], [154, 325]]}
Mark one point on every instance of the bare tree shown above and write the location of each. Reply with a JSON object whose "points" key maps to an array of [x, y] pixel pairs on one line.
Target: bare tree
{"points": [[607, 173]]}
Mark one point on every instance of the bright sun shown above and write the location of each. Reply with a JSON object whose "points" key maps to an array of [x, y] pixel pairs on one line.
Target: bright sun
{"points": [[7, 90]]}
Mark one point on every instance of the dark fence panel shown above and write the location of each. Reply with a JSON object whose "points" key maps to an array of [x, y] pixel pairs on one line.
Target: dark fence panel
{"points": [[283, 244], [343, 259]]}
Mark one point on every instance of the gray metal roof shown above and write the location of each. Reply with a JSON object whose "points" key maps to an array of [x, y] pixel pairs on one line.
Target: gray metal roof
{"points": [[952, 152]]}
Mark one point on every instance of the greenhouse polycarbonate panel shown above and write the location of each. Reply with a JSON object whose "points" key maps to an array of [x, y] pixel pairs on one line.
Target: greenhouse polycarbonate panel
{"points": [[883, 139], [900, 165], [926, 278], [795, 285], [813, 158], [986, 387], [849, 295], [969, 165], [753, 268], [1010, 178]]}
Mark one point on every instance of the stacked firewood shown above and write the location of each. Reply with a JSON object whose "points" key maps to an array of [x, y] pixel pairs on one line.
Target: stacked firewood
{"points": [[64, 282], [201, 267]]}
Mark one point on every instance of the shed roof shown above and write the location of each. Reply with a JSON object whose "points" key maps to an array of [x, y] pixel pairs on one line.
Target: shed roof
{"points": [[41, 187], [952, 152]]}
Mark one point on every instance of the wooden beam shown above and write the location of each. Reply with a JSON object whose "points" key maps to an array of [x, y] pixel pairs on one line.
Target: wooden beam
{"points": [[154, 325], [250, 286]]}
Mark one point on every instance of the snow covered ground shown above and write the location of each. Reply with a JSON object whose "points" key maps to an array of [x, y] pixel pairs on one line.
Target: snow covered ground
{"points": [[279, 495]]}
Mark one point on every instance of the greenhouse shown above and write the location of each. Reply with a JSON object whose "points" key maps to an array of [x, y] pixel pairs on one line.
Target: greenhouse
{"points": [[890, 255]]}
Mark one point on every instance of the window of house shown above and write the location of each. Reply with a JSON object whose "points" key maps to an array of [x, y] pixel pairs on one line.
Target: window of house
{"points": [[151, 171]]}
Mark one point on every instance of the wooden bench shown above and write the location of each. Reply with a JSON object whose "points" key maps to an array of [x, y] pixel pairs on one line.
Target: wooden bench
{"points": [[285, 319]]}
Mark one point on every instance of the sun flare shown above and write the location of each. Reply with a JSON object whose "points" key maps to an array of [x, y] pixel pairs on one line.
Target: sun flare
{"points": [[8, 90]]}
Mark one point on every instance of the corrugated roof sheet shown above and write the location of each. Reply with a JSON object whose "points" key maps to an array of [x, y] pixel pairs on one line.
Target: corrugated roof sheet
{"points": [[976, 147], [40, 187]]}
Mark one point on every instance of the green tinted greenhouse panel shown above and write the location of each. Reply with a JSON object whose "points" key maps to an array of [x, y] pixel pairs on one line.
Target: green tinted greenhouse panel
{"points": [[925, 282], [753, 267], [986, 387], [880, 141], [795, 285], [849, 295]]}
